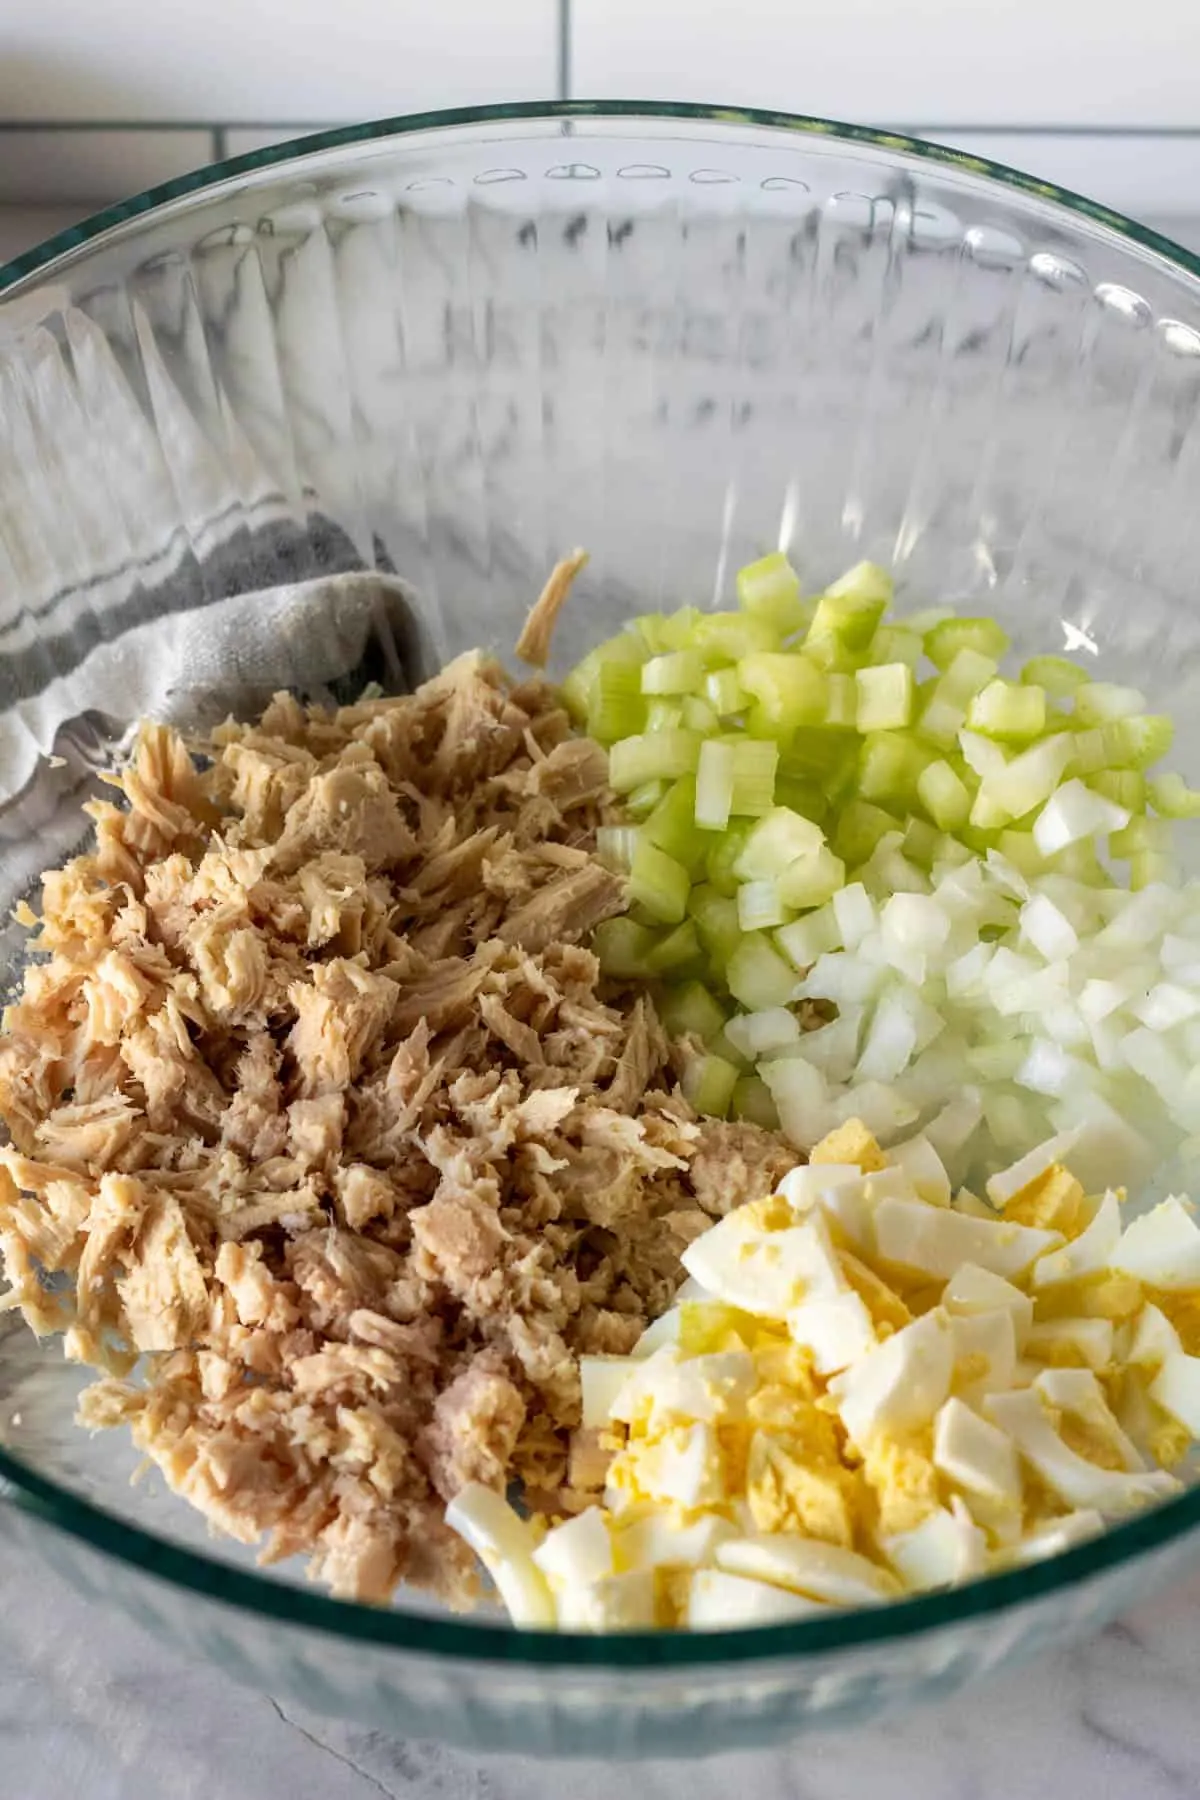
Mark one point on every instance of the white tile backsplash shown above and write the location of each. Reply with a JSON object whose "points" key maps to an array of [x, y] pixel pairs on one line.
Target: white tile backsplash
{"points": [[86, 165], [267, 61], [947, 62]]}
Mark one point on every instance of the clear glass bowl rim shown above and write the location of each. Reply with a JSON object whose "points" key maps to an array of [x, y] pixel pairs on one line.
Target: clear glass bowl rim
{"points": [[448, 1639]]}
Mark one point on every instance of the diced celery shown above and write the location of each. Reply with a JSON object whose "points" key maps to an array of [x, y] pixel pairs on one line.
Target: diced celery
{"points": [[760, 907], [885, 697], [615, 845], [724, 693], [774, 842], [679, 628], [677, 952], [944, 796], [1150, 868], [643, 799], [1080, 862], [672, 826], [757, 975], [890, 765], [1134, 742], [941, 720], [1020, 849], [723, 1046], [947, 639], [1139, 837], [728, 636], [790, 689], [922, 842], [576, 691], [841, 702], [1029, 779], [752, 1101], [1171, 797], [616, 708], [653, 756], [708, 1085], [770, 590], [659, 884], [714, 784], [664, 715], [1125, 787], [1055, 674], [859, 830], [1099, 702], [843, 625], [1008, 710], [805, 939], [817, 754], [654, 629], [867, 585], [811, 879], [716, 917], [699, 716], [899, 644], [721, 857], [968, 675], [691, 1011], [675, 672], [804, 797], [623, 948], [754, 765]]}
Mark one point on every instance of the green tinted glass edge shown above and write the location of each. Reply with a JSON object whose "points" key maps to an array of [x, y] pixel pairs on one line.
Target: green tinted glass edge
{"points": [[390, 1628]]}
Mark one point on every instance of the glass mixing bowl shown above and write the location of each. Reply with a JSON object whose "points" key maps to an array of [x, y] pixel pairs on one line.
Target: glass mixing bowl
{"points": [[449, 349]]}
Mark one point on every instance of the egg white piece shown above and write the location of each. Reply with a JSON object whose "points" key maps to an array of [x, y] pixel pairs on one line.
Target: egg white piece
{"points": [[1075, 1480], [718, 1601], [1162, 1248], [503, 1542], [923, 1168], [836, 1330], [1092, 1339], [1059, 1535], [760, 1271], [900, 1384], [1091, 1253], [1153, 1339], [808, 1566], [936, 1241], [654, 1539], [1078, 1393], [972, 1289], [1176, 1388], [985, 1350], [624, 1602], [944, 1550], [1003, 1189], [976, 1455], [577, 1552]]}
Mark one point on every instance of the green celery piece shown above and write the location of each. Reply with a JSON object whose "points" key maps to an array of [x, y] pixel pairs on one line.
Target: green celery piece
{"points": [[789, 688], [708, 1085], [623, 948], [672, 826], [752, 1102], [944, 641], [690, 1010], [770, 589], [658, 883]]}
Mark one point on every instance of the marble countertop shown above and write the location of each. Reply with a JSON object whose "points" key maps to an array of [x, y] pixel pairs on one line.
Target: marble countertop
{"points": [[93, 1709]]}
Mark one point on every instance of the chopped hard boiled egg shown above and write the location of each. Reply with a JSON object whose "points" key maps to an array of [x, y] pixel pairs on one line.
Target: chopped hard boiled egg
{"points": [[867, 1389]]}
